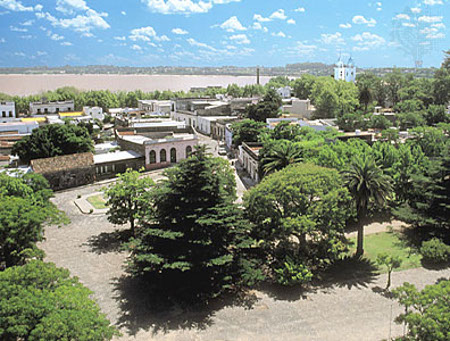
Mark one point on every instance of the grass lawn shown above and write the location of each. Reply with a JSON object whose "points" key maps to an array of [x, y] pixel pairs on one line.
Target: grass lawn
{"points": [[97, 201], [390, 243]]}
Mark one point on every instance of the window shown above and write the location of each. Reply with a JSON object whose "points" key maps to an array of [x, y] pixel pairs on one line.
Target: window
{"points": [[10, 114], [188, 151], [152, 157], [173, 155], [46, 110], [3, 113], [163, 156], [39, 111]]}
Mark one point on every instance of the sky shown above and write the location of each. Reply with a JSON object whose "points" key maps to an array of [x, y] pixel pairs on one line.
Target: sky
{"points": [[222, 32]]}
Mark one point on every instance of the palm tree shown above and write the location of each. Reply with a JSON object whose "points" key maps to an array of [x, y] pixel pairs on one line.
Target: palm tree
{"points": [[365, 95], [281, 155], [369, 188]]}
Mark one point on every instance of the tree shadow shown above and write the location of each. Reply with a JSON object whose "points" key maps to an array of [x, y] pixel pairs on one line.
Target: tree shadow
{"points": [[107, 242], [430, 265], [350, 271], [378, 217], [146, 307], [286, 293], [383, 292]]}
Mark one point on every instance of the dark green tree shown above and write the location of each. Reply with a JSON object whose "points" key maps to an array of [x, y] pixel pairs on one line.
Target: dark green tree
{"points": [[281, 155], [195, 233], [53, 140], [39, 301], [247, 131], [370, 188], [269, 107]]}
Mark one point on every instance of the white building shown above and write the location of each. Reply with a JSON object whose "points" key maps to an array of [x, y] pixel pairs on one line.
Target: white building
{"points": [[37, 108], [95, 112], [345, 72], [285, 92], [154, 106], [8, 112], [301, 108], [17, 128], [204, 123]]}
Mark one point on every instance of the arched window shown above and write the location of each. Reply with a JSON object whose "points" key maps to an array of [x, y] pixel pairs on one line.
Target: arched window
{"points": [[173, 155], [162, 156], [188, 151], [152, 157]]}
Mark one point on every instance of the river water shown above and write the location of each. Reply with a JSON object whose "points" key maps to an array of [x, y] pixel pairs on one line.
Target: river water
{"points": [[24, 85]]}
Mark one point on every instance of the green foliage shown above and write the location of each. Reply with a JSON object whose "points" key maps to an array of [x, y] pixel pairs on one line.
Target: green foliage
{"points": [[302, 210], [267, 108], [379, 122], [281, 155], [435, 251], [53, 140], [195, 234], [39, 301], [126, 198], [291, 273], [391, 263], [427, 312], [247, 131]]}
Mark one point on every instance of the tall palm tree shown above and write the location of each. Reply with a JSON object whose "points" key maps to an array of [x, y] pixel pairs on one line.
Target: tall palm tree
{"points": [[280, 156], [369, 188]]}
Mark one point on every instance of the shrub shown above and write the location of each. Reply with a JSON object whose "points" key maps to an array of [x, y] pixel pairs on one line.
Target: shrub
{"points": [[435, 250], [292, 273]]}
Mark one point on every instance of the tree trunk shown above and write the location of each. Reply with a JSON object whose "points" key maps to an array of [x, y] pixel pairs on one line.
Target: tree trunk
{"points": [[388, 281], [360, 240], [132, 227]]}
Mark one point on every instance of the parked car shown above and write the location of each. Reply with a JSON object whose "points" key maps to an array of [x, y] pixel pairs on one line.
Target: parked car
{"points": [[222, 151]]}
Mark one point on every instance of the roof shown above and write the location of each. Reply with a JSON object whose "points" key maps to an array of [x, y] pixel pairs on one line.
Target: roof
{"points": [[65, 162], [33, 119], [71, 114], [117, 156]]}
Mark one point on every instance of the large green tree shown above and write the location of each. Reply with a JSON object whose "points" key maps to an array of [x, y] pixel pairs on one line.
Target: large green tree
{"points": [[269, 107], [300, 212], [194, 234], [246, 131], [281, 155], [53, 140], [127, 197], [369, 187], [39, 301]]}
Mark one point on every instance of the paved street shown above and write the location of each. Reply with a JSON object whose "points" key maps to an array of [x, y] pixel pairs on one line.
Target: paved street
{"points": [[349, 309]]}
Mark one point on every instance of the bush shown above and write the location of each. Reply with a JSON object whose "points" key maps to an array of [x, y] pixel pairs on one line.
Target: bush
{"points": [[435, 251], [292, 273]]}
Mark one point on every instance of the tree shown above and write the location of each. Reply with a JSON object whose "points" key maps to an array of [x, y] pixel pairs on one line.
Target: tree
{"points": [[234, 90], [391, 263], [299, 214], [365, 95], [39, 301], [268, 108], [427, 312], [195, 232], [246, 131], [303, 86], [53, 140], [436, 114], [281, 155], [369, 188], [409, 120], [125, 198], [379, 122]]}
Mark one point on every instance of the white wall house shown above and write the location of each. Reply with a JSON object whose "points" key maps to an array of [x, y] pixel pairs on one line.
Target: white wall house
{"points": [[95, 112], [301, 108], [18, 128], [345, 72], [205, 122], [155, 106], [37, 108], [7, 112], [285, 92]]}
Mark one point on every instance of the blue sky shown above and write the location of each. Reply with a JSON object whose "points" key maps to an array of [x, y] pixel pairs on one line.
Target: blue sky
{"points": [[222, 32]]}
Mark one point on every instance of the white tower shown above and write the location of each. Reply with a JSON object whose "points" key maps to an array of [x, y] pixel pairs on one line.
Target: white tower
{"points": [[345, 72]]}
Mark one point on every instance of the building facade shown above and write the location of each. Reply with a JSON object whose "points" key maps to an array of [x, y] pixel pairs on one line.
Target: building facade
{"points": [[7, 112], [249, 158], [37, 108], [345, 71], [95, 112]]}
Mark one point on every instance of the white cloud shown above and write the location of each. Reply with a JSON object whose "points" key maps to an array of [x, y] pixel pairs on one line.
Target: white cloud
{"points": [[195, 43], [66, 43], [232, 24], [27, 23], [20, 54], [360, 20], [56, 37], [279, 34], [408, 24], [300, 9], [402, 16], [136, 47], [439, 25], [416, 10], [347, 25], [429, 30], [120, 38], [433, 2], [260, 18], [2, 40], [70, 7], [28, 36], [367, 41], [329, 38], [146, 34], [291, 22], [41, 53], [17, 29], [179, 31], [436, 36], [429, 19], [123, 13], [302, 48], [183, 6], [278, 14], [240, 39], [16, 6]]}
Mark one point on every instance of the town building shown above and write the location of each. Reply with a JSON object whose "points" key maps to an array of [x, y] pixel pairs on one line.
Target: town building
{"points": [[157, 107], [301, 108], [161, 146], [95, 112], [219, 126], [108, 165], [7, 112], [285, 92], [249, 159], [45, 107], [345, 71], [66, 171], [317, 125]]}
